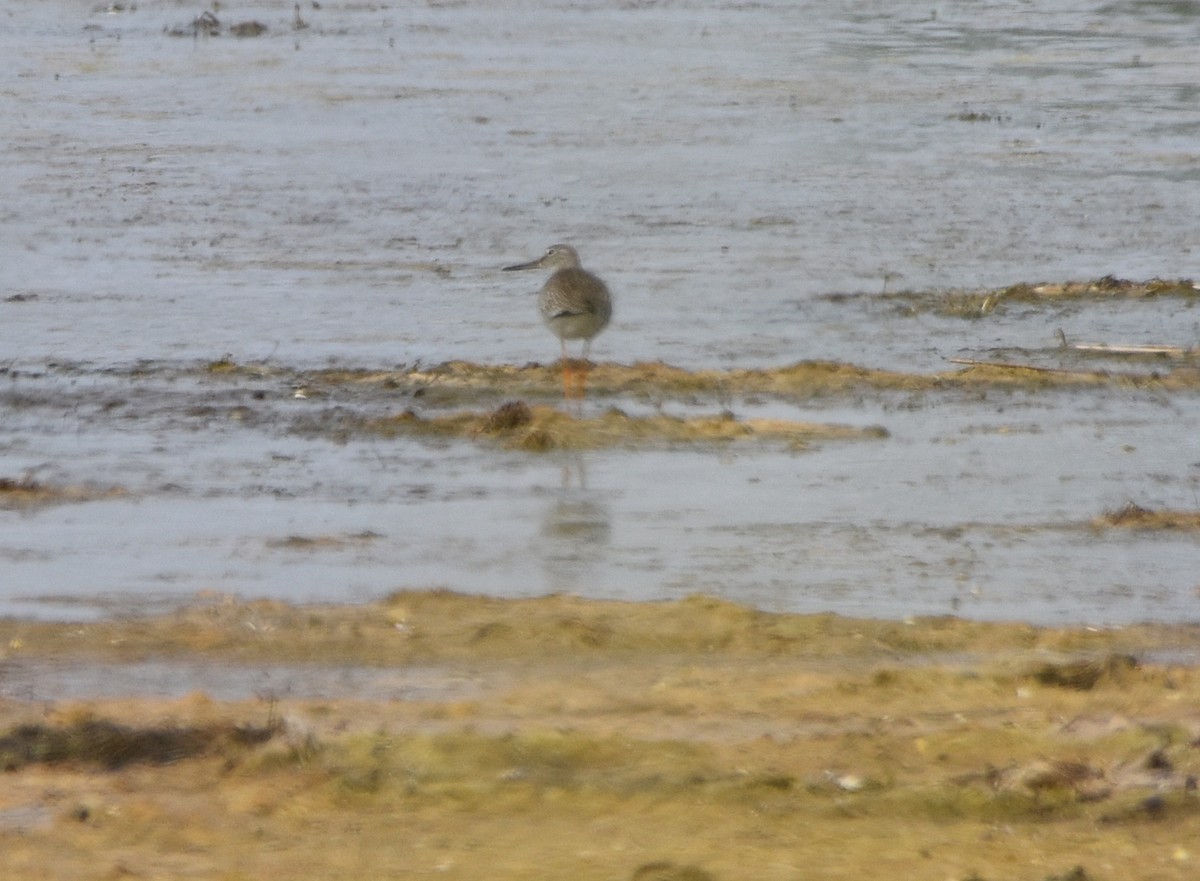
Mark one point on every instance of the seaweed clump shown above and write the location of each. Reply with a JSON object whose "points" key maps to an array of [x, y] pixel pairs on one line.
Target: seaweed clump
{"points": [[1131, 516]]}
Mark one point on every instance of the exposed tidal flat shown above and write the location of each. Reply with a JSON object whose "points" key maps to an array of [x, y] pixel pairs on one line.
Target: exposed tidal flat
{"points": [[435, 733]]}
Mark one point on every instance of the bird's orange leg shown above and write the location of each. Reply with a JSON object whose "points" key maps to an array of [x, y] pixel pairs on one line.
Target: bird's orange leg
{"points": [[567, 372], [584, 366], [579, 380], [574, 375]]}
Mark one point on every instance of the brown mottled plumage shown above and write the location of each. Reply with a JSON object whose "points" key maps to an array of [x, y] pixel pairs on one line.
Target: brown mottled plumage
{"points": [[575, 304]]}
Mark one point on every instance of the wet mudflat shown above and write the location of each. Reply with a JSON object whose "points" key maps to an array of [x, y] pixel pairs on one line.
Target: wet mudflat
{"points": [[696, 740], [685, 740], [1053, 483], [904, 327]]}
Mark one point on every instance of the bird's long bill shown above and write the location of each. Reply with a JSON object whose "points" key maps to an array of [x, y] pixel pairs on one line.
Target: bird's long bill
{"points": [[532, 264]]}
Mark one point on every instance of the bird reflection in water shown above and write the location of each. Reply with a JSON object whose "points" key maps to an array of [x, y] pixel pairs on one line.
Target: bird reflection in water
{"points": [[575, 530]]}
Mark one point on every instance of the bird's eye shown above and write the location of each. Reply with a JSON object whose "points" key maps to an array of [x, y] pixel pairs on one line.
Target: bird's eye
{"points": [[551, 252]]}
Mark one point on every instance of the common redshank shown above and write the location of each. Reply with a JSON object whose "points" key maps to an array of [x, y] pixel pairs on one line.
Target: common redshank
{"points": [[575, 305]]}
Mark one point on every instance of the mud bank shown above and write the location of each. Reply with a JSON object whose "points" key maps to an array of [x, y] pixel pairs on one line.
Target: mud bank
{"points": [[521, 407], [687, 740], [1045, 295]]}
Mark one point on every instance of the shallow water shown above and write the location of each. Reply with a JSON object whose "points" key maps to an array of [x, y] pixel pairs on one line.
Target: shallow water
{"points": [[66, 680], [346, 193]]}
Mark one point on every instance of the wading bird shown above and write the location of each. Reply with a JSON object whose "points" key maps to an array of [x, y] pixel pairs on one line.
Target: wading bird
{"points": [[575, 305]]}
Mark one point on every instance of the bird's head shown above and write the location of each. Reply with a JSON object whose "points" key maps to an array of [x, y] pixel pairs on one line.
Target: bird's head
{"points": [[556, 257]]}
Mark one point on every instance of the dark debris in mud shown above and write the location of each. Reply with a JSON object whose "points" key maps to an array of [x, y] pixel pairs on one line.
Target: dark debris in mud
{"points": [[206, 24], [113, 746], [663, 870], [324, 542], [25, 492], [1085, 675]]}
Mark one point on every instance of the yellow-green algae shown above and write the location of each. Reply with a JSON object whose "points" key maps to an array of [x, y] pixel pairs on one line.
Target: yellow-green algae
{"points": [[462, 384], [456, 381], [541, 428], [443, 626]]}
